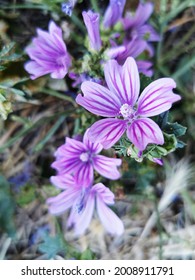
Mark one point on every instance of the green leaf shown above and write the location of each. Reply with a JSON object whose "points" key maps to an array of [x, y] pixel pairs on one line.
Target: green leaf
{"points": [[181, 144], [52, 245], [17, 91], [7, 49], [176, 129], [170, 143]]}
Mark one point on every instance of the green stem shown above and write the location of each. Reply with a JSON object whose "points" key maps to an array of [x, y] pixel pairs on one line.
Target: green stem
{"points": [[30, 127], [48, 136], [58, 95], [94, 5], [184, 69], [178, 47]]}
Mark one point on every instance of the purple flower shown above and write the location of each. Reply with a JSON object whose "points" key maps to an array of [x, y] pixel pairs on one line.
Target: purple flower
{"points": [[145, 67], [81, 158], [124, 111], [82, 202], [113, 13], [92, 21], [136, 26], [132, 48], [48, 54]]}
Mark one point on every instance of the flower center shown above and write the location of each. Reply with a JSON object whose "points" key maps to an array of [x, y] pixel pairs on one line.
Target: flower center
{"points": [[84, 157], [127, 111]]}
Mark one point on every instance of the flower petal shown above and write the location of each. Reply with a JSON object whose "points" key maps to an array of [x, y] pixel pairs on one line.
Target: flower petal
{"points": [[92, 22], [63, 201], [123, 81], [36, 70], [83, 219], [107, 167], [105, 193], [63, 181], [143, 132], [144, 67], [107, 131], [109, 219], [113, 12], [131, 79], [157, 97], [133, 48], [92, 147], [84, 174], [98, 100], [142, 14]]}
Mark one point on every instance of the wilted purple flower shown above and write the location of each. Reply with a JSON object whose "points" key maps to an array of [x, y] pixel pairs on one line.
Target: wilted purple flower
{"points": [[132, 48], [113, 13], [82, 202], [92, 22], [48, 54], [81, 158], [123, 109], [136, 26], [68, 6]]}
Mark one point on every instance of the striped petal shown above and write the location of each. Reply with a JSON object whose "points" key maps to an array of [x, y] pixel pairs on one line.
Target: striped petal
{"points": [[84, 174], [82, 220], [109, 219], [123, 81], [63, 201], [98, 100], [107, 131], [92, 147], [157, 98], [63, 181], [107, 167], [144, 131]]}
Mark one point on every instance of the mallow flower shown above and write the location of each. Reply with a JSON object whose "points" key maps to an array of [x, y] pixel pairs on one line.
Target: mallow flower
{"points": [[92, 22], [113, 12], [81, 158], [48, 54], [131, 48], [136, 25], [82, 201], [123, 109]]}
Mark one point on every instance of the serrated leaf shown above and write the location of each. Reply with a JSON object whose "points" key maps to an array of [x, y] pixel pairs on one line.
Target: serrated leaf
{"points": [[52, 245], [176, 129], [170, 143], [181, 144]]}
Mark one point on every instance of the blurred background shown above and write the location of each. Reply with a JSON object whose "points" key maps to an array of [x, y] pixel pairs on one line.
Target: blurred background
{"points": [[156, 203]]}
